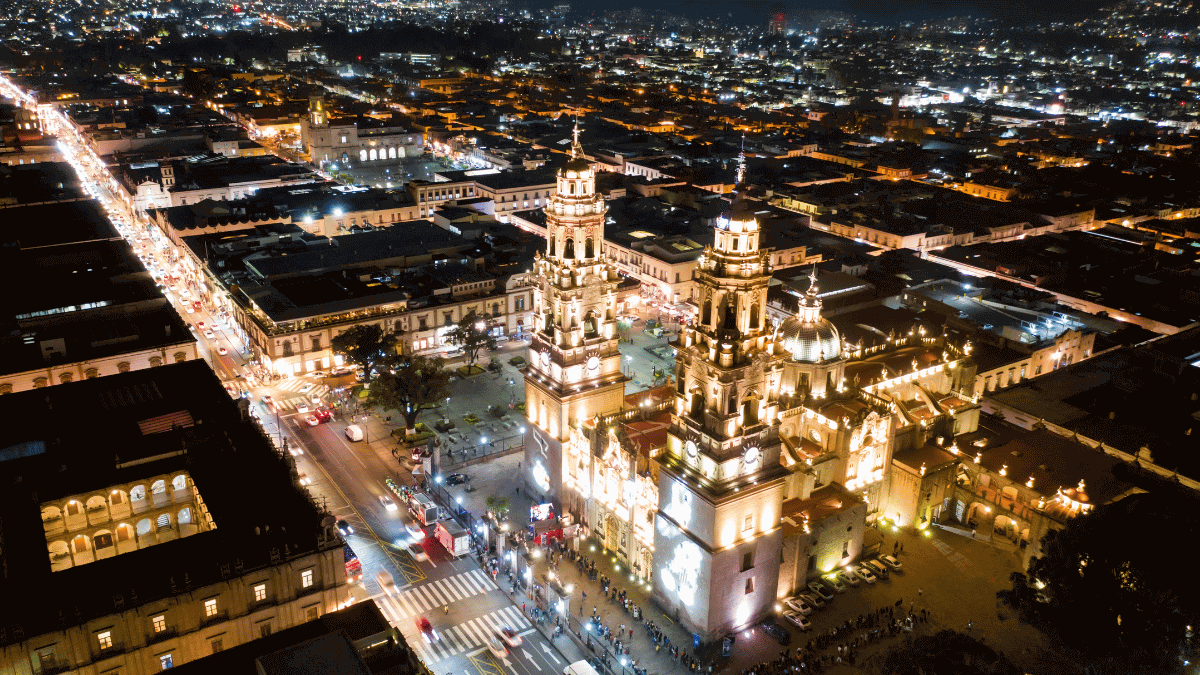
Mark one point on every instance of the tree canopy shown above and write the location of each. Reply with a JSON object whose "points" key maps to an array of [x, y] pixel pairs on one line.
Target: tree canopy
{"points": [[408, 384], [365, 345], [471, 337], [1115, 591], [946, 653]]}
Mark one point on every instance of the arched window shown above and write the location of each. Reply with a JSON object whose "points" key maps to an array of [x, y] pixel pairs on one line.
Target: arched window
{"points": [[155, 361], [569, 249], [91, 373], [374, 154], [123, 367], [362, 155], [39, 382], [552, 249], [180, 357], [65, 377], [392, 153], [706, 315], [6, 388], [754, 316], [588, 249]]}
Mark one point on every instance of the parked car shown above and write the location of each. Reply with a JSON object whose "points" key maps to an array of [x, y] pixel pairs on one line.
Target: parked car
{"points": [[863, 572], [833, 583], [777, 632], [457, 479], [820, 590], [801, 622], [813, 600], [848, 577], [892, 563], [798, 606]]}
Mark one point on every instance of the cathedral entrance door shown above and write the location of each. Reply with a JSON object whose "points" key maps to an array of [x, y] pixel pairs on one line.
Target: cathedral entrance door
{"points": [[612, 533]]}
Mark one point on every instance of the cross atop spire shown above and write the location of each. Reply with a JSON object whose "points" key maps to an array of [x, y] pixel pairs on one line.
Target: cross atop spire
{"points": [[812, 280], [576, 148]]}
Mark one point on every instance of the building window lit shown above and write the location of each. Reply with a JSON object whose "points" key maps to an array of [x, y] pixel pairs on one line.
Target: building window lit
{"points": [[306, 579], [160, 623], [105, 639], [210, 607], [166, 661], [260, 592]]}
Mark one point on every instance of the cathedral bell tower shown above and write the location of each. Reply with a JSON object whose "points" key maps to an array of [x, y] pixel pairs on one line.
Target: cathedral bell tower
{"points": [[717, 533], [574, 372]]}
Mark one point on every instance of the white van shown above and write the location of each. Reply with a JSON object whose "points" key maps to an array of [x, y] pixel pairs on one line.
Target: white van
{"points": [[580, 668], [354, 432]]}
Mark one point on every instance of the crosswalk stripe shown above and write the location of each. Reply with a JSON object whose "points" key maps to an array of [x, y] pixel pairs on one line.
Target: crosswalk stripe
{"points": [[405, 608], [471, 580], [451, 634], [457, 588], [478, 632], [440, 597], [429, 598]]}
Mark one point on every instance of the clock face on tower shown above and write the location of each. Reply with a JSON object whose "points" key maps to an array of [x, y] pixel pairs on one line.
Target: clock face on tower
{"points": [[751, 456], [545, 360], [593, 364], [690, 449]]}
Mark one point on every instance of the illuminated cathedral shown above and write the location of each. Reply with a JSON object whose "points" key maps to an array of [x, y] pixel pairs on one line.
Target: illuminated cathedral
{"points": [[763, 463]]}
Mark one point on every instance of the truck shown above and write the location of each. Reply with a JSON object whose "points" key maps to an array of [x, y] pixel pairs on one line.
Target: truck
{"points": [[422, 508], [580, 668], [353, 565], [456, 539]]}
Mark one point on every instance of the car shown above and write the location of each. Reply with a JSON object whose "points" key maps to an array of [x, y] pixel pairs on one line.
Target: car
{"points": [[892, 563], [304, 479], [200, 325], [509, 636], [833, 583], [296, 450], [302, 407], [417, 552], [415, 531], [209, 334], [777, 632], [386, 582], [312, 420], [848, 577], [306, 387], [801, 622], [821, 591], [189, 309], [196, 305], [427, 630], [344, 528], [316, 401], [388, 504], [323, 415], [222, 351], [457, 479], [267, 399], [863, 572], [317, 373], [496, 646], [798, 606], [813, 600]]}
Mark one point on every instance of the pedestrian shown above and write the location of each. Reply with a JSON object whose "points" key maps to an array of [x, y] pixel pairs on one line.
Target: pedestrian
{"points": [[919, 592], [902, 547]]}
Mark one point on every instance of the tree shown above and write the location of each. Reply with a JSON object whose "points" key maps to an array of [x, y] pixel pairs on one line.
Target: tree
{"points": [[471, 335], [499, 506], [364, 345], [1116, 593], [946, 653], [407, 384]]}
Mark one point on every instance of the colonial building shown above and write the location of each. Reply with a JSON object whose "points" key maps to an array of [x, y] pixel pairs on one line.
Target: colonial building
{"points": [[355, 141], [575, 367]]}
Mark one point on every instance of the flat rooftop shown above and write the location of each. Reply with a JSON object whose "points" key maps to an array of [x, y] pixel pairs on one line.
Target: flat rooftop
{"points": [[104, 441]]}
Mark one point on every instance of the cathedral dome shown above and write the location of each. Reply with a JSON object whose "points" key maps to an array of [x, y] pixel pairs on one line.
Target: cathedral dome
{"points": [[811, 342], [808, 336], [576, 165]]}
